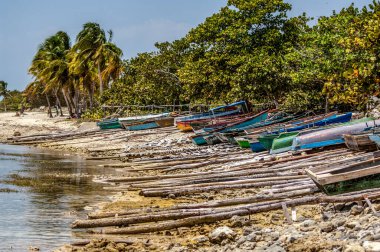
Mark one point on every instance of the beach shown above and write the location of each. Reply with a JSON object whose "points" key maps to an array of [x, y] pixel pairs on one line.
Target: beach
{"points": [[173, 196]]}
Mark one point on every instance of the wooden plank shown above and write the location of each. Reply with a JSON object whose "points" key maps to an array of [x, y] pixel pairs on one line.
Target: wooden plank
{"points": [[325, 179]]}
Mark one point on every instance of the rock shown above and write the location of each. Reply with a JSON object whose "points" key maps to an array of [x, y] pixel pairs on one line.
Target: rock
{"points": [[339, 206], [353, 248], [16, 133], [247, 230], [222, 233], [275, 248], [327, 227], [308, 223], [352, 224], [241, 241], [275, 235], [356, 210], [248, 246], [32, 248], [338, 222], [251, 237], [376, 237], [238, 221], [182, 230], [171, 196], [371, 246], [201, 239]]}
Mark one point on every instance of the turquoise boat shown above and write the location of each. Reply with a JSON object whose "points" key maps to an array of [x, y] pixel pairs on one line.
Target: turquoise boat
{"points": [[109, 124], [143, 126]]}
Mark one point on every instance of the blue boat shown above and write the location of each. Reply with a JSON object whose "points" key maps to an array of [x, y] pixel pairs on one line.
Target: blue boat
{"points": [[201, 139], [142, 126], [218, 111], [256, 146], [332, 136]]}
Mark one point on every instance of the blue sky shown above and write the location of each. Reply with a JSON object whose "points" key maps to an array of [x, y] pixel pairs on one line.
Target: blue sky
{"points": [[137, 24]]}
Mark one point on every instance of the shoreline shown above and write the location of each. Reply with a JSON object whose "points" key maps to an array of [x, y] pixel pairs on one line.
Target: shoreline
{"points": [[140, 155]]}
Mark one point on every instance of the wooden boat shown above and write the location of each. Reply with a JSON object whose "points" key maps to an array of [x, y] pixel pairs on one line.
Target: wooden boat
{"points": [[243, 141], [276, 128], [109, 124], [267, 140], [341, 178], [256, 146], [213, 134], [206, 126], [184, 123], [151, 124], [360, 142], [332, 136], [284, 141]]}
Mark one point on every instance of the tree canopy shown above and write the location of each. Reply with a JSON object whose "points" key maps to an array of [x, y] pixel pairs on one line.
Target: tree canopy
{"points": [[249, 49]]}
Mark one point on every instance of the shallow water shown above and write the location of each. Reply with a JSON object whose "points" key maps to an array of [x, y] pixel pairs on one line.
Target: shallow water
{"points": [[40, 213]]}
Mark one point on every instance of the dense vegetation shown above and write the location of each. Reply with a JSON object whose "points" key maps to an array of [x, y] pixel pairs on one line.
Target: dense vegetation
{"points": [[250, 49]]}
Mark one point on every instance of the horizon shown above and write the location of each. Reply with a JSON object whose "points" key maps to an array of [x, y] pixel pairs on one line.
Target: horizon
{"points": [[133, 33]]}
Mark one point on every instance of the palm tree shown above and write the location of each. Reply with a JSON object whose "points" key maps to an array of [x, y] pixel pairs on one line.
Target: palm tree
{"points": [[93, 49], [4, 93], [50, 67]]}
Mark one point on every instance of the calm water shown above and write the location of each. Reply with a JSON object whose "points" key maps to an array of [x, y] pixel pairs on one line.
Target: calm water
{"points": [[40, 213]]}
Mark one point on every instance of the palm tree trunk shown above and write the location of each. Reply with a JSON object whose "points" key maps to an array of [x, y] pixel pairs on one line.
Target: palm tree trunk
{"points": [[71, 99], [69, 108], [100, 80], [91, 95], [49, 107], [59, 105], [76, 103]]}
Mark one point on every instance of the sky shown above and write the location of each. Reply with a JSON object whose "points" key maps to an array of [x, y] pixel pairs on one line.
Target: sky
{"points": [[136, 24]]}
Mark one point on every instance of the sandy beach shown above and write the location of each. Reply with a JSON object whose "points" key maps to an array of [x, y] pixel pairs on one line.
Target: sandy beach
{"points": [[160, 171]]}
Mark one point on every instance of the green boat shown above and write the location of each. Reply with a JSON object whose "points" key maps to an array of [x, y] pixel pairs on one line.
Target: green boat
{"points": [[243, 142], [109, 124], [267, 140], [283, 142]]}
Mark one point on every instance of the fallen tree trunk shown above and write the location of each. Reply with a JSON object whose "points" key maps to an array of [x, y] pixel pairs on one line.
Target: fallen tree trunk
{"points": [[211, 218]]}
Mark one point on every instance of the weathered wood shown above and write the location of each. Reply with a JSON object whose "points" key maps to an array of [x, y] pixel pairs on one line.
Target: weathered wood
{"points": [[248, 210]]}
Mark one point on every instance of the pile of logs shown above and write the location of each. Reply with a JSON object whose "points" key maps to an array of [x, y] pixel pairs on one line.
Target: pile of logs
{"points": [[279, 184]]}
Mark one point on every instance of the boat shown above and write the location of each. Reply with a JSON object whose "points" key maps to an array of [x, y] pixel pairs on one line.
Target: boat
{"points": [[212, 136], [132, 120], [284, 141], [256, 146], [151, 124], [109, 124], [184, 123], [363, 173], [360, 141], [243, 141], [332, 136]]}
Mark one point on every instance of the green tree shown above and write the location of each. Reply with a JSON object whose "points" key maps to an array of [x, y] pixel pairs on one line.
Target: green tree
{"points": [[94, 50], [4, 92]]}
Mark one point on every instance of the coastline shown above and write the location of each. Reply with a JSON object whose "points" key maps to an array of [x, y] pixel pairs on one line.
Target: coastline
{"points": [[319, 227]]}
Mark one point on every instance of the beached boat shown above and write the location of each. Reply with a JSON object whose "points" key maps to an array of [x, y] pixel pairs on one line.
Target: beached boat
{"points": [[342, 177], [284, 141], [151, 124], [184, 123], [109, 124], [332, 136], [212, 136], [256, 146], [360, 142]]}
